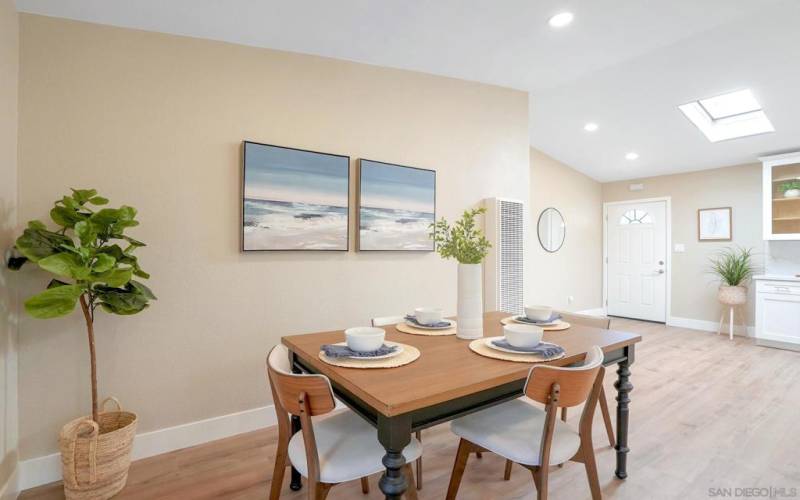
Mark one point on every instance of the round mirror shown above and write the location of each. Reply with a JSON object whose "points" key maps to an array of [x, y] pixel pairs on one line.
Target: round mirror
{"points": [[552, 229]]}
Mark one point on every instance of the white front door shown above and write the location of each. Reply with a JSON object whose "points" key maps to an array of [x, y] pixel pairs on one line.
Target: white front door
{"points": [[636, 246]]}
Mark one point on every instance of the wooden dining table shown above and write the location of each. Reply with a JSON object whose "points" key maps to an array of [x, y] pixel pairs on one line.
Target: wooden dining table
{"points": [[449, 380]]}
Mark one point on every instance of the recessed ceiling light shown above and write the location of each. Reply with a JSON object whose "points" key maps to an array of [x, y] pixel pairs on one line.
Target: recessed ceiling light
{"points": [[590, 127], [561, 19], [728, 116], [632, 156]]}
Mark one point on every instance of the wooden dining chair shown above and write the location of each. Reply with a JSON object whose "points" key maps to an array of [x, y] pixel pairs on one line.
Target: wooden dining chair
{"points": [[603, 322], [330, 449], [532, 437], [393, 320]]}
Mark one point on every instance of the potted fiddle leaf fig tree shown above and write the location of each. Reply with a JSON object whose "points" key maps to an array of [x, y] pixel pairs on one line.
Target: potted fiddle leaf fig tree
{"points": [[95, 267], [465, 242]]}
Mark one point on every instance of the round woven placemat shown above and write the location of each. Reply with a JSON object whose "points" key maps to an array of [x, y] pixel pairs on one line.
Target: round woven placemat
{"points": [[409, 354], [406, 328], [478, 346], [563, 325]]}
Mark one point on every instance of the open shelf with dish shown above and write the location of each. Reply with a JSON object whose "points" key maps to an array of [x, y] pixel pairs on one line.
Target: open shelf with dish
{"points": [[782, 196]]}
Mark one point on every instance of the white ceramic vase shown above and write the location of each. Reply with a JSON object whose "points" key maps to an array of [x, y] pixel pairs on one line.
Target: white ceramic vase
{"points": [[791, 193], [470, 301]]}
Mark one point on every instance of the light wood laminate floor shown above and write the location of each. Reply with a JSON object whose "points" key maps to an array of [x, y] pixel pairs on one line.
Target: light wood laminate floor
{"points": [[706, 413]]}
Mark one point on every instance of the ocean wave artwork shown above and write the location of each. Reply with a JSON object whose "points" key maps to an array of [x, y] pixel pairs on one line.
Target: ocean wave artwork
{"points": [[397, 205], [281, 225], [294, 199]]}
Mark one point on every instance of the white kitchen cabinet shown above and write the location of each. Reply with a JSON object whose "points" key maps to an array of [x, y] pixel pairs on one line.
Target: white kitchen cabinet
{"points": [[781, 196], [778, 310]]}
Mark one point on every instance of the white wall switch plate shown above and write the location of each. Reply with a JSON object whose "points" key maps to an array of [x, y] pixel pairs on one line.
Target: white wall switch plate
{"points": [[680, 248]]}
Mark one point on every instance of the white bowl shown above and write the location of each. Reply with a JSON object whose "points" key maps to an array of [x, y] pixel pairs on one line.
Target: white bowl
{"points": [[538, 313], [523, 335], [428, 315], [364, 338]]}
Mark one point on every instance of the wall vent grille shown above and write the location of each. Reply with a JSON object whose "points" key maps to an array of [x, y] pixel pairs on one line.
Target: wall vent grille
{"points": [[510, 255]]}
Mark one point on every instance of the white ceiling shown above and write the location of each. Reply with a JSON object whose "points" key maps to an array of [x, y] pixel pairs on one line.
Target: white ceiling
{"points": [[624, 64]]}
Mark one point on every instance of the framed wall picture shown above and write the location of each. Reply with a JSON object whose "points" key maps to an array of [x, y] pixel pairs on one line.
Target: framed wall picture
{"points": [[293, 199], [396, 206], [715, 224]]}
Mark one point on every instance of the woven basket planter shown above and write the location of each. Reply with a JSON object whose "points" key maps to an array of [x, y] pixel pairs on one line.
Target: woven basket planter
{"points": [[732, 295], [95, 456]]}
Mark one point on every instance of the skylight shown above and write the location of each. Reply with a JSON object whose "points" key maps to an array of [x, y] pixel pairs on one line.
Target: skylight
{"points": [[728, 116], [727, 105]]}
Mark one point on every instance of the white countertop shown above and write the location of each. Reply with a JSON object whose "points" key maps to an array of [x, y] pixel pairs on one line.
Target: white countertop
{"points": [[777, 277]]}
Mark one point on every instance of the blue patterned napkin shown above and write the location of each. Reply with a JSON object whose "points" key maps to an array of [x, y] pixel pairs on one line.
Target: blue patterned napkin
{"points": [[440, 324], [342, 351], [524, 319], [544, 349]]}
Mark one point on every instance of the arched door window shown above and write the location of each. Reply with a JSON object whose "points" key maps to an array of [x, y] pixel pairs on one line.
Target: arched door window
{"points": [[635, 217]]}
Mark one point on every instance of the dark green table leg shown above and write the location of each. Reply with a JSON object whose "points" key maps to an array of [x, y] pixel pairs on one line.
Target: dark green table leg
{"points": [[296, 482], [624, 387], [394, 433]]}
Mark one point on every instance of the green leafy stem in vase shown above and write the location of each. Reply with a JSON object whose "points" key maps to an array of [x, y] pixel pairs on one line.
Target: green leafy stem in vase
{"points": [[463, 241], [93, 261]]}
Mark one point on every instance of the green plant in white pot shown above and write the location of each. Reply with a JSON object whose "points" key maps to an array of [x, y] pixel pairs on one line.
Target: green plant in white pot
{"points": [[465, 242], [95, 265], [734, 268], [791, 189]]}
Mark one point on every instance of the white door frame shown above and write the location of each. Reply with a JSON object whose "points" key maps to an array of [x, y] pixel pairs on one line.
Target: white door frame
{"points": [[668, 200]]}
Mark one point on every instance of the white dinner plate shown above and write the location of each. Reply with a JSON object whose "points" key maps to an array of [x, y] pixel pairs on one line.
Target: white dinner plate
{"points": [[421, 327], [385, 356], [517, 319], [490, 345]]}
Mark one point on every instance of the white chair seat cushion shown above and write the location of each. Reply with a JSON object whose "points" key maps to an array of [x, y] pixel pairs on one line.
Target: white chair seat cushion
{"points": [[513, 430], [348, 448]]}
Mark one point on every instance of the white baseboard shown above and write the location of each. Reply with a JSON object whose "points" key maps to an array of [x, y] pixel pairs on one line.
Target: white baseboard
{"points": [[692, 324], [709, 326], [598, 311], [47, 469], [10, 490]]}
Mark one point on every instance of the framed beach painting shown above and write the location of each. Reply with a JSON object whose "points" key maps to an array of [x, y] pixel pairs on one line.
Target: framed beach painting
{"points": [[714, 224], [396, 206], [294, 199]]}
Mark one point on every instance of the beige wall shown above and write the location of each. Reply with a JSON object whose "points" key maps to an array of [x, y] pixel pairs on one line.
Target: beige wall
{"points": [[739, 187], [576, 269], [9, 72], [156, 121]]}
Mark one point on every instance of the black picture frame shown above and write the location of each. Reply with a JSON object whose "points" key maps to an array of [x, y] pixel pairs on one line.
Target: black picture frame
{"points": [[242, 199], [359, 199]]}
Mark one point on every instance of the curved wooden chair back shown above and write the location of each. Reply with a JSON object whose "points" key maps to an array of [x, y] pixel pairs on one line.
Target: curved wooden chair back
{"points": [[603, 322], [388, 320], [573, 383], [292, 391], [558, 387], [303, 395]]}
